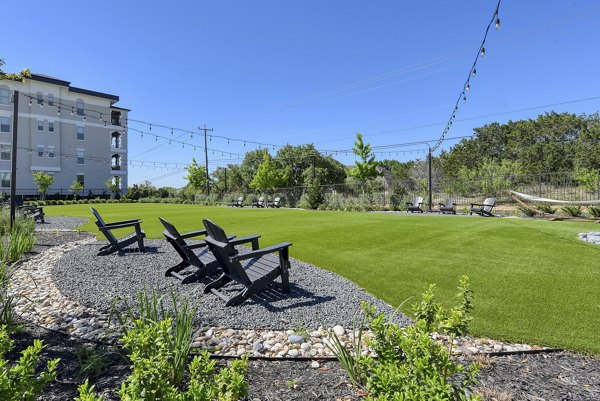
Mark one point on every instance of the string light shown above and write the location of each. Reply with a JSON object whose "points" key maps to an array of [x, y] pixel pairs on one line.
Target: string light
{"points": [[472, 73]]}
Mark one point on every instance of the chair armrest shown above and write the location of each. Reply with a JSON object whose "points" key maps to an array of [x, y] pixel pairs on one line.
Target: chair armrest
{"points": [[261, 252], [133, 221], [200, 244], [193, 234], [409, 204], [477, 204], [244, 240], [123, 224]]}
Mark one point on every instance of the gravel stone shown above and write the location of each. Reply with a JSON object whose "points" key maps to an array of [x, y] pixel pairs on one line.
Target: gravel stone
{"points": [[317, 297]]}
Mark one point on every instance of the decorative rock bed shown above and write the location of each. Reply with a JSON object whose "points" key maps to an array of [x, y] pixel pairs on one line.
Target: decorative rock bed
{"points": [[68, 288], [593, 237]]}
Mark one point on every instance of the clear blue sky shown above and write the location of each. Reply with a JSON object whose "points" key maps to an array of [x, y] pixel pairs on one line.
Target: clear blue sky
{"points": [[310, 71]]}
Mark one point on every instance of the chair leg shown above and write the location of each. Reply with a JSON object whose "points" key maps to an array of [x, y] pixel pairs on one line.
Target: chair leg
{"points": [[218, 283], [176, 268]]}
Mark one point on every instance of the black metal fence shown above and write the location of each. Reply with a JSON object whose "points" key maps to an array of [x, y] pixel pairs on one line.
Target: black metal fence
{"points": [[394, 194]]}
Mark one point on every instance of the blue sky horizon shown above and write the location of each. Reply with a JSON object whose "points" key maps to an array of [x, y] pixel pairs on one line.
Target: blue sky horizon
{"points": [[310, 72]]}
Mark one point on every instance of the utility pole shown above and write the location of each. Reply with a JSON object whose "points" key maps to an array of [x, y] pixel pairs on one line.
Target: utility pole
{"points": [[314, 172], [430, 195], [13, 155], [225, 179], [206, 158]]}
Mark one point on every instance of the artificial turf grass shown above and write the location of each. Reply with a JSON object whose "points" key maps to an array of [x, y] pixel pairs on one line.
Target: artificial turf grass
{"points": [[534, 281]]}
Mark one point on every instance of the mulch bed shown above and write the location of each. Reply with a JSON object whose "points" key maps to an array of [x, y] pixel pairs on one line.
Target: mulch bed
{"points": [[538, 377]]}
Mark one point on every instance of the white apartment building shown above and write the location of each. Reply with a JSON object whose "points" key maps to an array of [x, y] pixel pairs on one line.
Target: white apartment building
{"points": [[71, 133]]}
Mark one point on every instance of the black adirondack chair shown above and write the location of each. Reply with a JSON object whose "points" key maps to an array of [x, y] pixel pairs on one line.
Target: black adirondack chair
{"points": [[238, 203], [35, 212], [484, 209], [276, 203], [254, 270], [447, 207], [117, 244], [259, 203], [415, 205], [203, 260]]}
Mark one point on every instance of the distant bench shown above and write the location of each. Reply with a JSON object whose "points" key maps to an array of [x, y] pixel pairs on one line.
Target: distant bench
{"points": [[35, 212]]}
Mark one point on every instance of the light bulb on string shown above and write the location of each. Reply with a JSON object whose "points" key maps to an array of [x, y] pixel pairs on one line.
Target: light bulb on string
{"points": [[482, 52], [71, 110], [41, 104], [171, 131], [468, 87], [464, 99], [30, 102], [58, 111], [497, 23], [150, 127], [84, 119], [474, 73]]}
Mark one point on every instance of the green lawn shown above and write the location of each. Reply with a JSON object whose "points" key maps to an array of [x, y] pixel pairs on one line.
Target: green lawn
{"points": [[534, 281]]}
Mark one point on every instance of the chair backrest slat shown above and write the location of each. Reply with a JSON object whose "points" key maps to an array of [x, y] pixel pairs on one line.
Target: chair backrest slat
{"points": [[233, 269], [102, 227], [180, 244], [488, 204]]}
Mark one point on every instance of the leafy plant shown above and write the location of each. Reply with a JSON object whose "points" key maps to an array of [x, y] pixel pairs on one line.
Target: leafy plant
{"points": [[594, 211], [91, 361], [149, 344], [411, 365], [150, 309], [314, 195], [546, 208], [570, 210], [293, 383], [527, 211], [86, 393], [20, 382], [43, 181]]}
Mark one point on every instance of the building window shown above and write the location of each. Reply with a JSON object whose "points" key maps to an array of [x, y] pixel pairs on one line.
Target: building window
{"points": [[51, 153], [115, 140], [80, 133], [115, 162], [5, 124], [40, 98], [4, 151], [40, 150], [81, 179], [40, 125], [79, 105], [5, 179], [80, 156], [50, 126], [4, 96], [50, 100]]}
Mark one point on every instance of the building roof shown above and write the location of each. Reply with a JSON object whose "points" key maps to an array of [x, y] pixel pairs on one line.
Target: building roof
{"points": [[55, 81]]}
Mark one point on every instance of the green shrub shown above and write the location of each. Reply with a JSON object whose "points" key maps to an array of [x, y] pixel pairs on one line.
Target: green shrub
{"points": [[594, 211], [314, 195], [150, 309], [546, 208], [150, 348], [410, 365], [526, 211], [573, 211], [20, 382]]}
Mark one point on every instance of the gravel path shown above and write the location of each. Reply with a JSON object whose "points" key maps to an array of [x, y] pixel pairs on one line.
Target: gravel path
{"points": [[54, 223], [317, 297]]}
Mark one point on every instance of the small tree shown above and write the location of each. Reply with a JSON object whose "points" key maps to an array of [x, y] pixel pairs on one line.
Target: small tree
{"points": [[268, 175], [366, 168], [76, 186], [196, 175], [43, 182], [113, 185]]}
